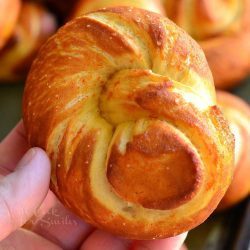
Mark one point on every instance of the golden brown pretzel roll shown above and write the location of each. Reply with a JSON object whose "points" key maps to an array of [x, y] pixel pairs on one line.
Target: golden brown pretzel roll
{"points": [[238, 114], [85, 6], [34, 26], [9, 11], [223, 29], [123, 102]]}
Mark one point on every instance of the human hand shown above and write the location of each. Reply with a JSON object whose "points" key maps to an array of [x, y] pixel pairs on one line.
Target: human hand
{"points": [[25, 196]]}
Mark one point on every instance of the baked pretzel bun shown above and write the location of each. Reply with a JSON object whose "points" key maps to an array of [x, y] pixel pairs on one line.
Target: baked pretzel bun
{"points": [[34, 26], [123, 102], [85, 6], [9, 11], [223, 30], [237, 113]]}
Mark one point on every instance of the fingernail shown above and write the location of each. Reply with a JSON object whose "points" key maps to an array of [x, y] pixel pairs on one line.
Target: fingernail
{"points": [[27, 158]]}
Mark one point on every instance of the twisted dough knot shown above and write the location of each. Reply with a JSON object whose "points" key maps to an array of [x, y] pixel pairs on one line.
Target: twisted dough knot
{"points": [[206, 18], [123, 102], [222, 29], [238, 114], [35, 24]]}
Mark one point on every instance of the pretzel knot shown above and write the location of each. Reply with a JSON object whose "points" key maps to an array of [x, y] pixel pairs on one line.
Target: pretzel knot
{"points": [[123, 102], [207, 18], [222, 29]]}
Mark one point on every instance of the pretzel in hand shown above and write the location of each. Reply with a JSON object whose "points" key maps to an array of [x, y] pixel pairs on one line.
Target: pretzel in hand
{"points": [[123, 102]]}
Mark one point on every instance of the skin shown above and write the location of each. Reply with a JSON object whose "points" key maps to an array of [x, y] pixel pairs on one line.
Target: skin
{"points": [[23, 194]]}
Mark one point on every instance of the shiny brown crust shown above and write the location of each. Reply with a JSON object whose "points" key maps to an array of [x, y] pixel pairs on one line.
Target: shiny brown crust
{"points": [[9, 11], [238, 114], [223, 30], [123, 102], [34, 26], [85, 6]]}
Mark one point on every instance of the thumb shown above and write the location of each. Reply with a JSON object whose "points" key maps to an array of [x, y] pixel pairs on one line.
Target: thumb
{"points": [[23, 191]]}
